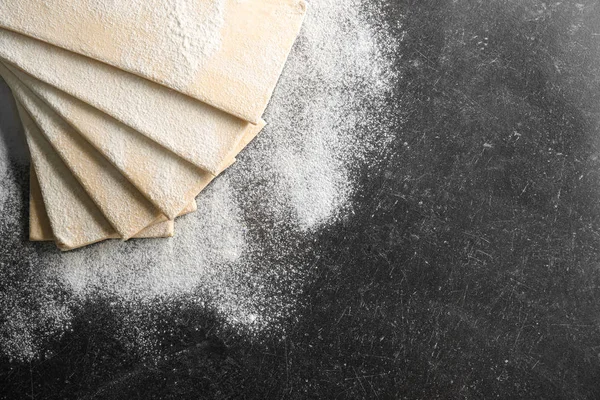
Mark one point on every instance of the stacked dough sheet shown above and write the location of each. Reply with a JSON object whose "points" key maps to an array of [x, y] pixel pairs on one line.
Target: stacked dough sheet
{"points": [[132, 107]]}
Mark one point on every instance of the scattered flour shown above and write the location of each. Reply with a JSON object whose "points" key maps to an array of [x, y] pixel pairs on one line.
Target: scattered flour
{"points": [[33, 309], [246, 252]]}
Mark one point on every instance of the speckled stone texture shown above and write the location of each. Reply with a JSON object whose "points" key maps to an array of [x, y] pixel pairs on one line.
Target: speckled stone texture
{"points": [[469, 269]]}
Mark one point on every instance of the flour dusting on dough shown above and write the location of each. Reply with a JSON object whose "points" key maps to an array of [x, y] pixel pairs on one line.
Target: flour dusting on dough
{"points": [[194, 33], [195, 28]]}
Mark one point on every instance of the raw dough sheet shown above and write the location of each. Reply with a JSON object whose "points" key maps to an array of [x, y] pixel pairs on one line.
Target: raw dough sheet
{"points": [[82, 224], [39, 224], [124, 206], [226, 53], [40, 229], [165, 179], [196, 132]]}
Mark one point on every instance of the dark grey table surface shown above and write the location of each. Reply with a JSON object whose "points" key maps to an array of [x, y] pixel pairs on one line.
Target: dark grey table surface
{"points": [[469, 270]]}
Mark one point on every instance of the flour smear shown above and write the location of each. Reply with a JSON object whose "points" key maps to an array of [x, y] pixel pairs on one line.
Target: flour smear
{"points": [[246, 252]]}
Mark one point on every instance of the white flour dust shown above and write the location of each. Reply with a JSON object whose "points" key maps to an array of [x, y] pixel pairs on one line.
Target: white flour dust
{"points": [[246, 252]]}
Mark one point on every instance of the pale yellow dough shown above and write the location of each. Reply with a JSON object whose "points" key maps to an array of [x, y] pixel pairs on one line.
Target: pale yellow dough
{"points": [[83, 224], [39, 224], [127, 210], [226, 53], [196, 132], [168, 181], [40, 229]]}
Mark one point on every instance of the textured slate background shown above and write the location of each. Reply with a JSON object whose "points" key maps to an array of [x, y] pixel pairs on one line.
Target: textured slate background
{"points": [[471, 267]]}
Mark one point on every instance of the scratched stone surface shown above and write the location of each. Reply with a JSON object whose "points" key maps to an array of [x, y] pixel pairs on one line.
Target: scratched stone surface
{"points": [[470, 267]]}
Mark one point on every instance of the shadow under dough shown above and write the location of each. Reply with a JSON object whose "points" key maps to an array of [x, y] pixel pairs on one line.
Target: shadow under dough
{"points": [[12, 138]]}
